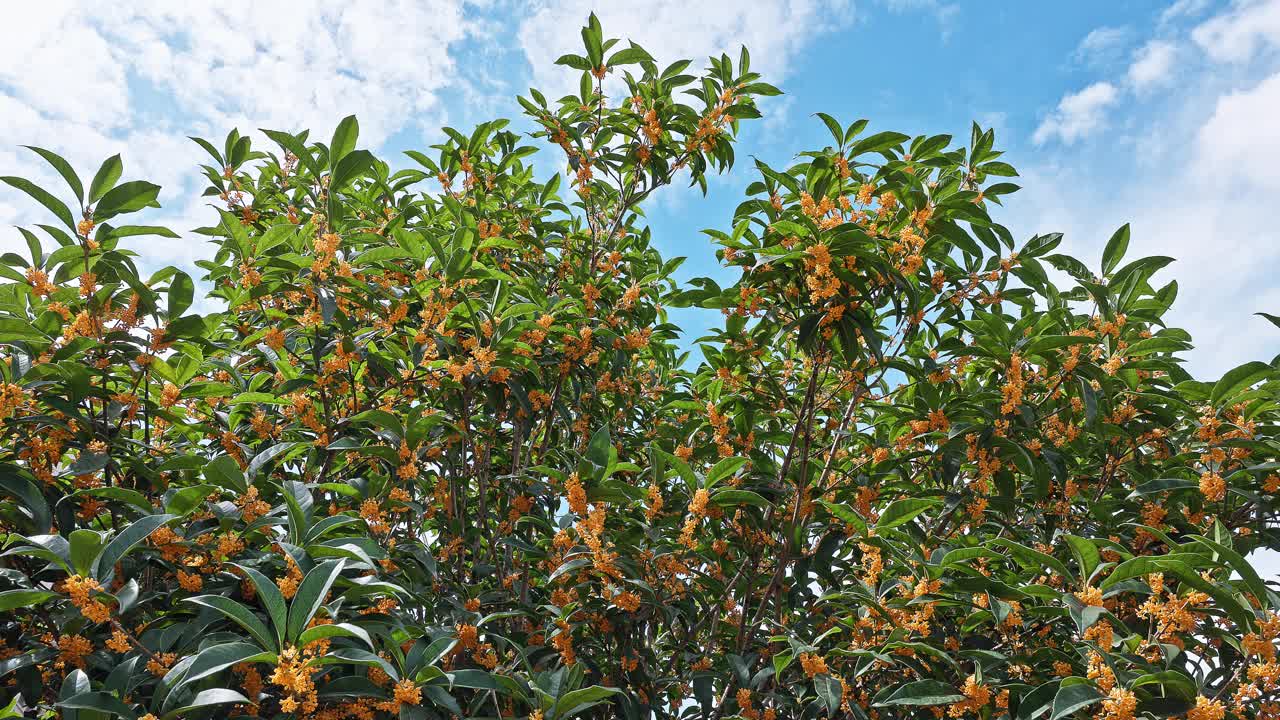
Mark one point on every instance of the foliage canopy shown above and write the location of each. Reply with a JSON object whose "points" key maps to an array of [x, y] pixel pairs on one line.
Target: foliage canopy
{"points": [[443, 453]]}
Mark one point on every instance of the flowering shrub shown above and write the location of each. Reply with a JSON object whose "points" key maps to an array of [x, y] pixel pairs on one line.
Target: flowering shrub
{"points": [[443, 454]]}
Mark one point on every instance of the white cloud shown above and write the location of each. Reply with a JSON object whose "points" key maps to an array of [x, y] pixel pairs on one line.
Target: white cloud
{"points": [[1236, 35], [774, 30], [1196, 181], [290, 70], [1078, 114], [1102, 45], [60, 66], [1153, 65], [1183, 8], [943, 12], [1239, 141], [997, 120], [87, 82]]}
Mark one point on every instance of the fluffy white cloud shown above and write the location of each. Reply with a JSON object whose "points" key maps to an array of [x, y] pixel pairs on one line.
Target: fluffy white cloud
{"points": [[1239, 141], [1078, 114], [288, 69], [89, 81], [1153, 65], [1194, 171], [774, 30], [1236, 35]]}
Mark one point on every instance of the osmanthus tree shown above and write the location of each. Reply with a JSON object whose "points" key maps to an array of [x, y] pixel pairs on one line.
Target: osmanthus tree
{"points": [[443, 454]]}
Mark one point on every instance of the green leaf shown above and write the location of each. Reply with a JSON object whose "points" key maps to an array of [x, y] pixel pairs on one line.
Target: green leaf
{"points": [[880, 142], [1237, 379], [320, 632], [271, 597], [30, 500], [732, 497], [126, 198], [183, 502], [1114, 252], [437, 649], [833, 126], [207, 698], [1168, 680], [359, 657], [592, 40], [1144, 565], [476, 679], [105, 179], [88, 462], [1031, 558], [56, 206], [266, 456], [1071, 698], [344, 141], [220, 657], [225, 472], [1238, 563], [85, 545], [209, 148], [628, 56], [181, 292], [569, 566], [1040, 245], [311, 595], [1275, 319], [64, 169], [577, 62], [1159, 485], [237, 613], [354, 165], [14, 599], [999, 169], [18, 662], [599, 446], [100, 701], [1185, 567], [138, 230], [1043, 344], [723, 469], [576, 701], [1038, 701], [846, 514], [781, 661], [122, 543], [295, 146], [923, 692], [1086, 554], [298, 501], [903, 511], [830, 690]]}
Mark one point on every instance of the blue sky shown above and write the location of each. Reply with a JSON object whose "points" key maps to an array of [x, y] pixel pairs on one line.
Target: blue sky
{"points": [[1155, 113]]}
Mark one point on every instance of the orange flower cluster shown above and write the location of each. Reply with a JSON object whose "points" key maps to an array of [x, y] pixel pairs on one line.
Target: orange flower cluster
{"points": [[78, 588]]}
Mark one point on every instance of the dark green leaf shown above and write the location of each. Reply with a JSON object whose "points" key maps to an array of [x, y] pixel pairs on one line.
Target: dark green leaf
{"points": [[56, 206], [105, 179], [126, 198], [64, 169], [923, 692], [1114, 252], [1071, 698]]}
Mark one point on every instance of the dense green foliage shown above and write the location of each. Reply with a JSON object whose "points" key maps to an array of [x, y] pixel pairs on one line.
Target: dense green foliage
{"points": [[442, 453]]}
